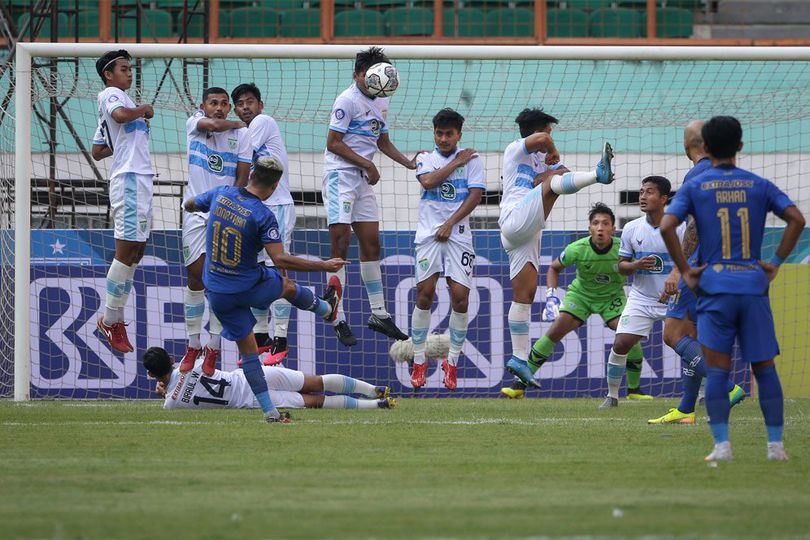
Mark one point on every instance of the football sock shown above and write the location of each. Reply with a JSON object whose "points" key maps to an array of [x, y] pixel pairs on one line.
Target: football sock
{"points": [[261, 316], [543, 348], [193, 308], [340, 384], [254, 374], [771, 401], [617, 365], [341, 274], [420, 322], [519, 329], [372, 279], [347, 402], [717, 404], [214, 331], [305, 299], [634, 358], [458, 333], [116, 298], [128, 288], [571, 182], [281, 317]]}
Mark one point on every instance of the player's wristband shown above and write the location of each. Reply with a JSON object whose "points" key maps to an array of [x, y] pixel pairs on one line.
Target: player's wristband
{"points": [[776, 260]]}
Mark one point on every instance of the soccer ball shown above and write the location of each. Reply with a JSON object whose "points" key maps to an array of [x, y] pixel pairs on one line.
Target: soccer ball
{"points": [[382, 80]]}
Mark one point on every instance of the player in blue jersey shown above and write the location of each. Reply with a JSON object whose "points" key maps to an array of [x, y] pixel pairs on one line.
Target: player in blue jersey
{"points": [[679, 326], [730, 205], [239, 226]]}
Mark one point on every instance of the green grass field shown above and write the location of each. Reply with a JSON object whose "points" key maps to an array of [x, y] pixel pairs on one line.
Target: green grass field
{"points": [[451, 468]]}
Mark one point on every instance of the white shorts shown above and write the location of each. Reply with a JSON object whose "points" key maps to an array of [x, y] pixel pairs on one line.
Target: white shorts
{"points": [[453, 259], [348, 198], [193, 237], [638, 318], [521, 226], [285, 216], [284, 385], [131, 206]]}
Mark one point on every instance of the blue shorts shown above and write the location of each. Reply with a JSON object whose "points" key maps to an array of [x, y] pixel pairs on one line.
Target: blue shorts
{"points": [[233, 309], [722, 317], [683, 303]]}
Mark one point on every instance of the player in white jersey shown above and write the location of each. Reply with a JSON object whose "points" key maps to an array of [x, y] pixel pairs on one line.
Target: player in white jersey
{"points": [[642, 252], [266, 140], [230, 389], [533, 178], [123, 133], [357, 128], [453, 182], [219, 154]]}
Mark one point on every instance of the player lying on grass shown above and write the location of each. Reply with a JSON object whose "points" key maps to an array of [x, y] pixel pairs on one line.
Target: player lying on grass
{"points": [[230, 389]]}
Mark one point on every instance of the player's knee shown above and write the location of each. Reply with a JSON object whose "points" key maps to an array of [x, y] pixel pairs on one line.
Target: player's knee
{"points": [[460, 305], [287, 289], [622, 344]]}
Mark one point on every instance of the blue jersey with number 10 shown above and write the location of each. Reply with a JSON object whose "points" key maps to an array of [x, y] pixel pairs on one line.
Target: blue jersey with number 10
{"points": [[729, 206], [239, 225]]}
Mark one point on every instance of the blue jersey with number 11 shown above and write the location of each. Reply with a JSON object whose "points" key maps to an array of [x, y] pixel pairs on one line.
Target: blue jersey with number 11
{"points": [[730, 206], [239, 225]]}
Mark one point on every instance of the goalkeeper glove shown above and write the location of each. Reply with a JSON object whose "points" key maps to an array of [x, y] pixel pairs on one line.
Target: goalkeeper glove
{"points": [[552, 309]]}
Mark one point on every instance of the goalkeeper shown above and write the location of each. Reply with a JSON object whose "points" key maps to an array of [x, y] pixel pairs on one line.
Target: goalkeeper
{"points": [[597, 289]]}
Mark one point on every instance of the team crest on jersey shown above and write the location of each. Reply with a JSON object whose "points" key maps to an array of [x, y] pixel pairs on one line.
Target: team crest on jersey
{"points": [[340, 114], [460, 171], [375, 126], [215, 163], [659, 265], [274, 234], [143, 225], [448, 191], [232, 143], [423, 265], [347, 207], [602, 279]]}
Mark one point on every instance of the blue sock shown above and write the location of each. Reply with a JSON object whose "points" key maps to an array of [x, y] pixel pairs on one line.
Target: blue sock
{"points": [[694, 369], [306, 299], [717, 404], [690, 384], [771, 401], [255, 378]]}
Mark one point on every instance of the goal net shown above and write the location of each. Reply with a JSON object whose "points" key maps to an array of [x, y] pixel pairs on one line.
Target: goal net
{"points": [[639, 99]]}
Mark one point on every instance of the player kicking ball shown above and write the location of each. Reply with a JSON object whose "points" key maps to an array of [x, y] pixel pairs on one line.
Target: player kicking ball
{"points": [[453, 181], [230, 389], [239, 226]]}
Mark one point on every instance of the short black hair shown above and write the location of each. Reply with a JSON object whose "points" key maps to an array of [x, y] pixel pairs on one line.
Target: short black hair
{"points": [[601, 208], [369, 57], [107, 62], [267, 171], [662, 184], [246, 88], [157, 361], [213, 90], [722, 136], [533, 120], [448, 118]]}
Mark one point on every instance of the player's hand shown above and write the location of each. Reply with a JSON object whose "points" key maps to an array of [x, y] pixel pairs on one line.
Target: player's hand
{"points": [[771, 270], [333, 265], [692, 276], [465, 156], [373, 175], [670, 285], [148, 111], [412, 163], [646, 263], [238, 124], [553, 157], [444, 232], [160, 389], [552, 309]]}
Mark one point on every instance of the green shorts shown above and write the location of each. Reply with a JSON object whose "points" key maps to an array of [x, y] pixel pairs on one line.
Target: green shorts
{"points": [[582, 307]]}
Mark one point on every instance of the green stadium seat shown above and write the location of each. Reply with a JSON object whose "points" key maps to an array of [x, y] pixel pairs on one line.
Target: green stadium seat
{"points": [[155, 23], [470, 23], [684, 4], [83, 4], [567, 23], [195, 25], [280, 5], [88, 24], [616, 23], [254, 22], [64, 28], [385, 4], [409, 21], [359, 22], [586, 5], [510, 22], [301, 22], [671, 22]]}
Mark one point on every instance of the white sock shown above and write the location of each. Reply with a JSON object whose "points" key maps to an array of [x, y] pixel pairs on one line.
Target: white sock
{"points": [[519, 329], [346, 402], [341, 384], [262, 325], [458, 333], [281, 317], [571, 182], [617, 365], [117, 293], [214, 330], [372, 278], [420, 323], [194, 307], [341, 274]]}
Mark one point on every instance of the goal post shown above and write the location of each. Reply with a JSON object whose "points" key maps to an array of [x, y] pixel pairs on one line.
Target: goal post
{"points": [[641, 97]]}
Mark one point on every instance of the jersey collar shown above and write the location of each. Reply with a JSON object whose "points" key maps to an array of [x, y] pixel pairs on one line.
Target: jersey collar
{"points": [[598, 251]]}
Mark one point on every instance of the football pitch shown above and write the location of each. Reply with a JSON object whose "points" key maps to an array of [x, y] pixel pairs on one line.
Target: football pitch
{"points": [[432, 468]]}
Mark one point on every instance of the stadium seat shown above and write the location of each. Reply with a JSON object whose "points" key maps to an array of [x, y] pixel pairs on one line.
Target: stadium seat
{"points": [[88, 23], [567, 23], [586, 5], [358, 22], [254, 22], [280, 5], [671, 22], [155, 23], [511, 22], [684, 4], [195, 25], [470, 22], [385, 4], [409, 21], [616, 23], [64, 28], [301, 22]]}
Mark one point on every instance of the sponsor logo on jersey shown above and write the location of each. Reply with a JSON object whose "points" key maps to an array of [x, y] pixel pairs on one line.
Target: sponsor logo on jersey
{"points": [[602, 279], [215, 163], [659, 265], [448, 191]]}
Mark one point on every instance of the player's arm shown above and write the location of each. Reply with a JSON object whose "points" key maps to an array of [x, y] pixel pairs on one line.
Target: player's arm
{"points": [[542, 142], [242, 174], [285, 261], [202, 202], [123, 115], [627, 265], [795, 224], [335, 144], [469, 204], [432, 179], [669, 228], [101, 151], [547, 175], [553, 274], [387, 147], [218, 124]]}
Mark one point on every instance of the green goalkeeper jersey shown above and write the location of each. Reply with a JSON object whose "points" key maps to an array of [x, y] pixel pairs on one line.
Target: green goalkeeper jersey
{"points": [[598, 276]]}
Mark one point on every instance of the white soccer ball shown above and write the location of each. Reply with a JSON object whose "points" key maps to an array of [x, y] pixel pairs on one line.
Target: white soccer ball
{"points": [[382, 80]]}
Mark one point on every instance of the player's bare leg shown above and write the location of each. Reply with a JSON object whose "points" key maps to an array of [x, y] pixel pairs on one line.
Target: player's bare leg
{"points": [[340, 235], [119, 284], [378, 396]]}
